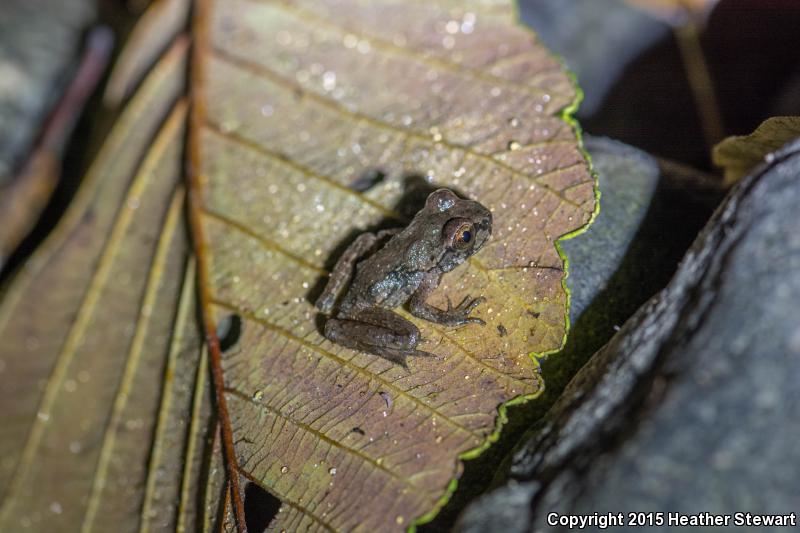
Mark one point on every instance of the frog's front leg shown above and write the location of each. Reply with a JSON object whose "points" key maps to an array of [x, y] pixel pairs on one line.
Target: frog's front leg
{"points": [[377, 331], [452, 316], [343, 271]]}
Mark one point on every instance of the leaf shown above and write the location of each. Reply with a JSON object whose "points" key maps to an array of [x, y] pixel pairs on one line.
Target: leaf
{"points": [[23, 200], [738, 155], [157, 27], [89, 326], [293, 104]]}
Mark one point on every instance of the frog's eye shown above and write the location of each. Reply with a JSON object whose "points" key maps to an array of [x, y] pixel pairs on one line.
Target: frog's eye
{"points": [[460, 233]]}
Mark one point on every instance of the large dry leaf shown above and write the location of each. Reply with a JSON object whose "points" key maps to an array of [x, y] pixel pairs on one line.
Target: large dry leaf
{"points": [[294, 102], [101, 352]]}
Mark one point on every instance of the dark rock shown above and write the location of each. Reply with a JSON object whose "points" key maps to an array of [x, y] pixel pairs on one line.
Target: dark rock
{"points": [[692, 406], [39, 44], [628, 178], [596, 38], [650, 213]]}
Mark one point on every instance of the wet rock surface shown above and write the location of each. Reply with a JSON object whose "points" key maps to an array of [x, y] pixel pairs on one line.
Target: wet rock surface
{"points": [[39, 45], [628, 179], [692, 406]]}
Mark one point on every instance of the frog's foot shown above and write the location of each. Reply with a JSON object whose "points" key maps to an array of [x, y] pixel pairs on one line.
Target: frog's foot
{"points": [[459, 315], [377, 331]]}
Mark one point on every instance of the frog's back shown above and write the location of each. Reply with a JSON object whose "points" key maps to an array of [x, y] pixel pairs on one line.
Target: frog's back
{"points": [[376, 283]]}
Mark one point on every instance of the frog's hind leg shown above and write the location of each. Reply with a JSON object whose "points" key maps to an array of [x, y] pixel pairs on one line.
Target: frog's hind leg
{"points": [[377, 331]]}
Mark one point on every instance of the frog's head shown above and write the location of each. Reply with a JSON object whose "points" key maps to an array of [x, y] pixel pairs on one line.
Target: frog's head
{"points": [[465, 226]]}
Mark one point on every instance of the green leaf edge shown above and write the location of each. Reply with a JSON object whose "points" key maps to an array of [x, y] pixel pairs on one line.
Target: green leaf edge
{"points": [[568, 116]]}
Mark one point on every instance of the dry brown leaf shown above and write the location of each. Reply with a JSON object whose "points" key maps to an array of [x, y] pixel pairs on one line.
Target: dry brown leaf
{"points": [[294, 103], [89, 325], [162, 21]]}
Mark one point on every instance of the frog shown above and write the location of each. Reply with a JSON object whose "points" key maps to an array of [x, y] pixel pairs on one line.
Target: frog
{"points": [[381, 271]]}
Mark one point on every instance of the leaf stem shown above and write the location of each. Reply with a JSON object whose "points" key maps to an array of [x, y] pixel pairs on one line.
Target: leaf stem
{"points": [[700, 81]]}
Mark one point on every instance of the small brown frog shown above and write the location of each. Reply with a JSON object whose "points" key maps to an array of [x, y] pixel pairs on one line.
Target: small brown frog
{"points": [[393, 267]]}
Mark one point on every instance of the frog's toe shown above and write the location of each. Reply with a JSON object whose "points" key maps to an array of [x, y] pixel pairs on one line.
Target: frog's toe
{"points": [[468, 304], [395, 356], [459, 315], [473, 304], [400, 357]]}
